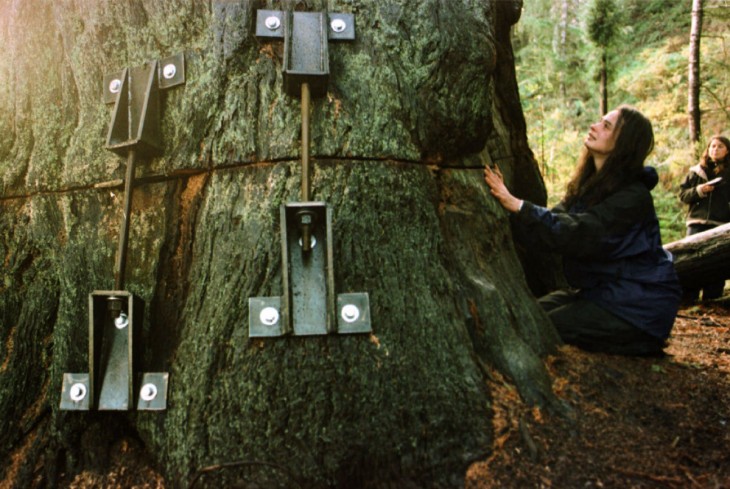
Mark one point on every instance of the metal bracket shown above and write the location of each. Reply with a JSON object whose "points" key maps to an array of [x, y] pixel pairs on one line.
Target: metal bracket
{"points": [[307, 268], [75, 394], [110, 385], [264, 317], [306, 36], [135, 94], [353, 313], [307, 306], [153, 391], [114, 315]]}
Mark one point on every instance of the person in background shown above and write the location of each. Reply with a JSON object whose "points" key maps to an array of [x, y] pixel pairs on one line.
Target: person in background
{"points": [[709, 203], [624, 292]]}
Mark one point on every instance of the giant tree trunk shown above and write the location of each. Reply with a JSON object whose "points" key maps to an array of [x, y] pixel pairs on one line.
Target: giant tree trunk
{"points": [[417, 104]]}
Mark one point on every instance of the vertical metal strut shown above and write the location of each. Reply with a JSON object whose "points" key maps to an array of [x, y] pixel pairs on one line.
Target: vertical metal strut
{"points": [[309, 304], [121, 266], [305, 141]]}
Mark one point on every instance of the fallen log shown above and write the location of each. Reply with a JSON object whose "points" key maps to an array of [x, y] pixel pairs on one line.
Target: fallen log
{"points": [[702, 257]]}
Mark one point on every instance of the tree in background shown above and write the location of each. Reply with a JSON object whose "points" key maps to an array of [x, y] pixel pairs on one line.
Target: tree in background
{"points": [[603, 22], [693, 82], [552, 46], [649, 71], [563, 44], [715, 90]]}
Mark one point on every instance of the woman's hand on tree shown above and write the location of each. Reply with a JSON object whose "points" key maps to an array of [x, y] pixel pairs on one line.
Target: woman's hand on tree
{"points": [[495, 181]]}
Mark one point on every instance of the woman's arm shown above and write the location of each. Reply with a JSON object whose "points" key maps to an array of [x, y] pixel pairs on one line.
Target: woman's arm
{"points": [[586, 234], [577, 233], [693, 189]]}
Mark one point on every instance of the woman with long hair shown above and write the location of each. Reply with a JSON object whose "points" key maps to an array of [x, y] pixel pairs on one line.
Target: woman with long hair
{"points": [[624, 292], [708, 201]]}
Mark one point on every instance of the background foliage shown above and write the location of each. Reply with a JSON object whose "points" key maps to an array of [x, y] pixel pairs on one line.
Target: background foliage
{"points": [[557, 69]]}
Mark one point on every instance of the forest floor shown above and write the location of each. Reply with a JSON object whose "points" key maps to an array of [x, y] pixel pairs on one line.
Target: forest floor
{"points": [[631, 422], [628, 422]]}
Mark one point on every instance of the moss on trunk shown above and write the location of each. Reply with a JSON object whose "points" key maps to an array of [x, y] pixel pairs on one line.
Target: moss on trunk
{"points": [[417, 104]]}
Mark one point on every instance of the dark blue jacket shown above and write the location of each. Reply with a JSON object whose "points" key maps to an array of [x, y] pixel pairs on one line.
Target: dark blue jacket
{"points": [[612, 252]]}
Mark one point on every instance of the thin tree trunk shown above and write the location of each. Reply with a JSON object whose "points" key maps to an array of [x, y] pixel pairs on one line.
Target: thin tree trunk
{"points": [[604, 82], [694, 83], [562, 26]]}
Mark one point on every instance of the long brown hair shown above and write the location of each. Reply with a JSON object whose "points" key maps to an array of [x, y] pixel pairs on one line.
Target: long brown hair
{"points": [[724, 163], [634, 143]]}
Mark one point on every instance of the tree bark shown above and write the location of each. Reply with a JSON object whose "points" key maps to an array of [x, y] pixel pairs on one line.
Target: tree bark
{"points": [[702, 257], [693, 82], [416, 106]]}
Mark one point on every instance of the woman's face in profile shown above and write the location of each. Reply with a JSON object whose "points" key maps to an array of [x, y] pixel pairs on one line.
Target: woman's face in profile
{"points": [[601, 138]]}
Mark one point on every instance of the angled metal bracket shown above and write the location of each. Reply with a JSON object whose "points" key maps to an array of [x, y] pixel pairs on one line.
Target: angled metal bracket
{"points": [[135, 93], [306, 36], [115, 318]]}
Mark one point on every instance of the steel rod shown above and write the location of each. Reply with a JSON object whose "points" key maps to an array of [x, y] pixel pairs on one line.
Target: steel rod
{"points": [[124, 231], [305, 142]]}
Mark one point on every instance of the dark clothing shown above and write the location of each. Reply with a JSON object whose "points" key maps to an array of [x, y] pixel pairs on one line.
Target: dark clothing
{"points": [[706, 209], [582, 323], [710, 290], [705, 212], [612, 254]]}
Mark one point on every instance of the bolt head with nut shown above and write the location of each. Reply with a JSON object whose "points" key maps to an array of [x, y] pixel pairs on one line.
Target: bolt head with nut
{"points": [[169, 71], [350, 313], [115, 85], [338, 25], [148, 392], [121, 321], [269, 316], [77, 392], [272, 22]]}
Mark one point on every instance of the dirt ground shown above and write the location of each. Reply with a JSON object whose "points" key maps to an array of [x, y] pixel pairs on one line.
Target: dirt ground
{"points": [[627, 423], [632, 422]]}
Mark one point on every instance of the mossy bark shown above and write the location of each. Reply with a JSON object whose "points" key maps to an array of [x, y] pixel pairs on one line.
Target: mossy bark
{"points": [[417, 104]]}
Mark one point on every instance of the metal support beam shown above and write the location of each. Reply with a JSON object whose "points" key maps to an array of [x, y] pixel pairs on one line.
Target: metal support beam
{"points": [[115, 317], [121, 263], [308, 304], [305, 142]]}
